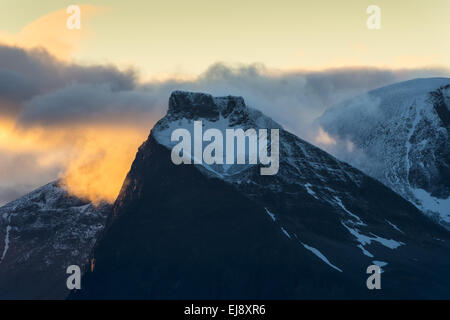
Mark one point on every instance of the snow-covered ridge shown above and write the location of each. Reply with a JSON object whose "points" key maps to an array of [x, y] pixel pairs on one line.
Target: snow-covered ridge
{"points": [[43, 233], [401, 135]]}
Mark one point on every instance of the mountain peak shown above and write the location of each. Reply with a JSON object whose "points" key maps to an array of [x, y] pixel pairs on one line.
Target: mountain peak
{"points": [[194, 105], [405, 132], [317, 220], [214, 112]]}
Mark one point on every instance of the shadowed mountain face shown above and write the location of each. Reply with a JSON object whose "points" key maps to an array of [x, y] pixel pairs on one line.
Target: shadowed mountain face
{"points": [[310, 231], [402, 132], [41, 234]]}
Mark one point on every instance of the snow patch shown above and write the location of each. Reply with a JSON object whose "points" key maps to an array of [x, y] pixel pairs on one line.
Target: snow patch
{"points": [[285, 232], [321, 256], [5, 249], [310, 191], [340, 204], [363, 239], [365, 252], [430, 203], [270, 214], [381, 264], [394, 226]]}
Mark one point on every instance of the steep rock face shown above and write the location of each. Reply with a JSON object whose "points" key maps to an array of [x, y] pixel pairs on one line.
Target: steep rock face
{"points": [[403, 132], [41, 234], [310, 231]]}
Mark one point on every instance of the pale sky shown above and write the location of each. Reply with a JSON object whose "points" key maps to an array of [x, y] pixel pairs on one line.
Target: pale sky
{"points": [[185, 37]]}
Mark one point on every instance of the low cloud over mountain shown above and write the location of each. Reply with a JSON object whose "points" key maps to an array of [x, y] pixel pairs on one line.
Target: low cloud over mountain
{"points": [[65, 116]]}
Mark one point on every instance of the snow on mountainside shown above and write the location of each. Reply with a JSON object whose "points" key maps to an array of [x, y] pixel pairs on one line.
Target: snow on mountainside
{"points": [[400, 134], [41, 234], [215, 112], [310, 231]]}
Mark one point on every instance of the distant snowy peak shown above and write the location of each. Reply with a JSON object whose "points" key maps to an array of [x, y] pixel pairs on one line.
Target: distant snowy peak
{"points": [[380, 105], [41, 234], [403, 131]]}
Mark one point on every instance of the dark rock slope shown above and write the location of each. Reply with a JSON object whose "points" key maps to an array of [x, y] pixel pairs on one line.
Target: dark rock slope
{"points": [[310, 231]]}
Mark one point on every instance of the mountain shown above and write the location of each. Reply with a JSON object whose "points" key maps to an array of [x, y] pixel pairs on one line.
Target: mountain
{"points": [[197, 231], [403, 133], [41, 234]]}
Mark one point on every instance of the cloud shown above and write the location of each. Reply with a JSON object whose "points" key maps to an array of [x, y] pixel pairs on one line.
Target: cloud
{"points": [[15, 87], [84, 123], [89, 103], [21, 172], [43, 72], [49, 92], [324, 139], [296, 98]]}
